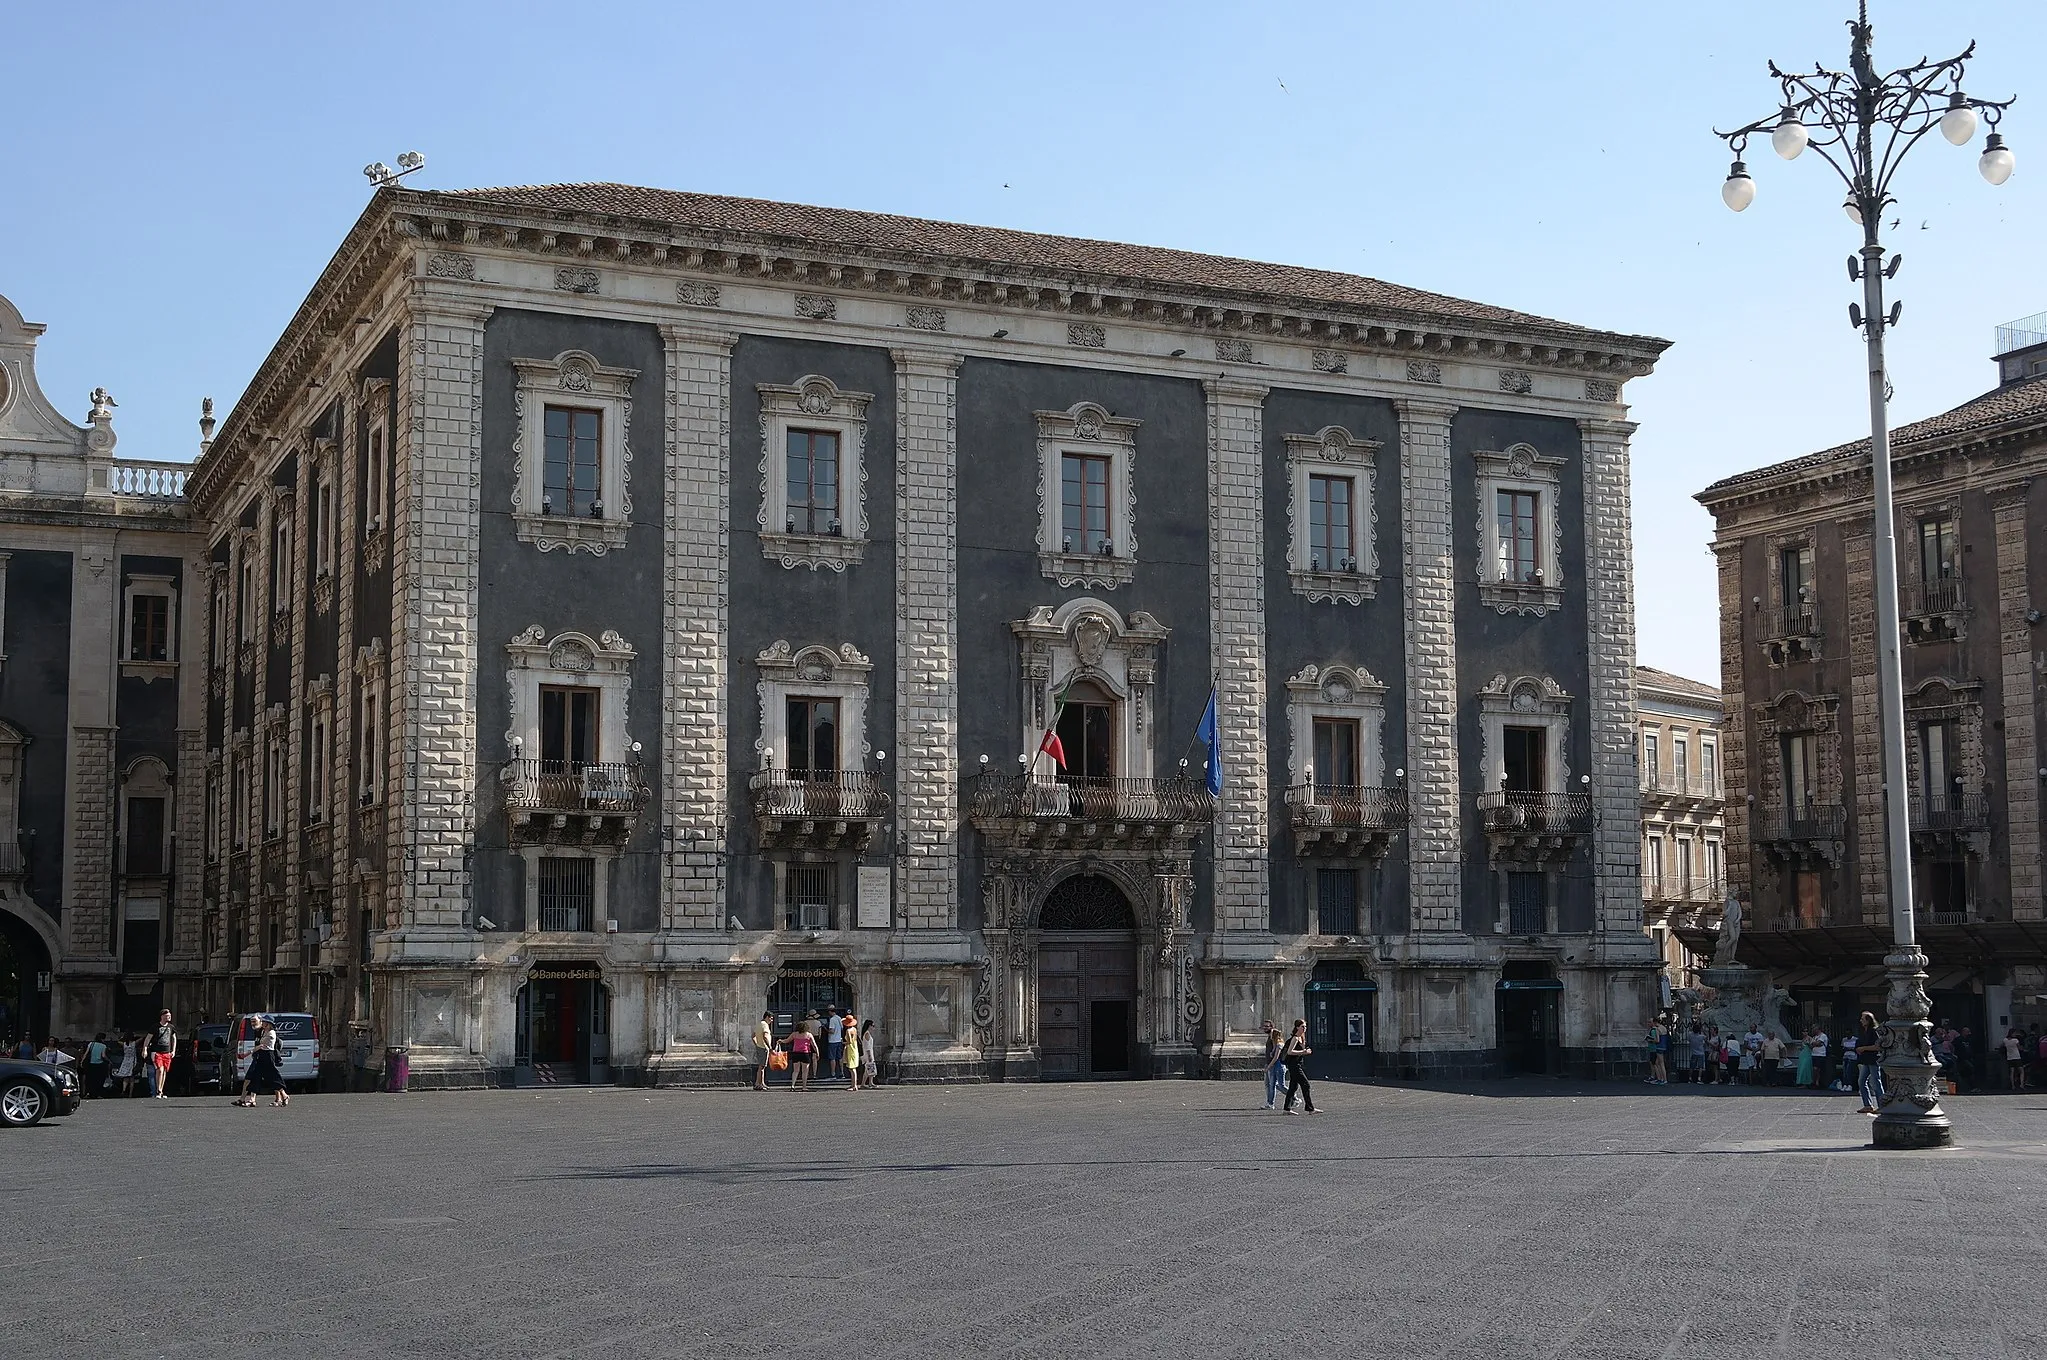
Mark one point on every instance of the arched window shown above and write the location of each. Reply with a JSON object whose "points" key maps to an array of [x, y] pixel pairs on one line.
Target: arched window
{"points": [[1087, 902]]}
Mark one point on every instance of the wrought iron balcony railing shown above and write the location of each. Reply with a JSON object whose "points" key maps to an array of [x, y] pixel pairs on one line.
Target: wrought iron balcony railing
{"points": [[1154, 801], [1701, 890], [1957, 812], [574, 786], [1319, 805], [1802, 822], [1942, 596], [1546, 814], [818, 810], [1800, 618]]}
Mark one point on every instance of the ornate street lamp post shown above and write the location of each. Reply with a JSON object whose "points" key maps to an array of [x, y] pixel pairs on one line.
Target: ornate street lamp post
{"points": [[1862, 124]]}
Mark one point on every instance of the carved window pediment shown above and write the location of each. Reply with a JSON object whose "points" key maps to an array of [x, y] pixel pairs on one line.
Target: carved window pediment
{"points": [[1324, 564], [813, 406], [573, 379], [1502, 585], [1088, 431]]}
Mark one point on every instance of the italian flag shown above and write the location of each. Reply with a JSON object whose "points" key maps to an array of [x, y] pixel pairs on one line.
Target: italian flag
{"points": [[1051, 745]]}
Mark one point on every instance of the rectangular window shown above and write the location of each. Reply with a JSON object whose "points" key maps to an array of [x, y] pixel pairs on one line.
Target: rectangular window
{"points": [[1684, 865], [1713, 867], [568, 893], [1805, 886], [813, 482], [369, 751], [323, 526], [1947, 891], [813, 736], [1087, 735], [149, 628], [1527, 751], [1084, 503], [1709, 766], [144, 850], [1652, 760], [568, 724], [569, 484], [809, 896], [373, 481], [141, 935], [1336, 901], [1797, 576], [316, 770], [273, 787], [1331, 544], [280, 568], [1527, 903], [1653, 867], [1938, 780], [1520, 562], [218, 643], [1680, 762], [212, 818], [1336, 752], [1940, 552], [246, 614], [1797, 774]]}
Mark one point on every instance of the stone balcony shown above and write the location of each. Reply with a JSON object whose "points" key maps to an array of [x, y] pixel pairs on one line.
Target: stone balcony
{"points": [[561, 802], [1345, 819], [1792, 633], [1805, 836], [828, 811], [1950, 823], [1026, 810], [1534, 827], [1933, 611]]}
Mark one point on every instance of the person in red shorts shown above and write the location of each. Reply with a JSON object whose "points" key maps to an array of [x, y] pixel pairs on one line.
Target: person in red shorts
{"points": [[163, 1046]]}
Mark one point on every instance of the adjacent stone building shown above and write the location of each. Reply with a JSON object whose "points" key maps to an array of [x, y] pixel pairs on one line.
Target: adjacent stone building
{"points": [[626, 611], [1683, 850], [1802, 753], [100, 718]]}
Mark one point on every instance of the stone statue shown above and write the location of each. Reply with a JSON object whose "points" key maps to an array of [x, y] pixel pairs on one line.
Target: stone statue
{"points": [[102, 405], [1730, 933]]}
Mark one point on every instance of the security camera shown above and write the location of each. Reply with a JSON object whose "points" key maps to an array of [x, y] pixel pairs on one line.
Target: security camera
{"points": [[485, 923], [732, 923]]}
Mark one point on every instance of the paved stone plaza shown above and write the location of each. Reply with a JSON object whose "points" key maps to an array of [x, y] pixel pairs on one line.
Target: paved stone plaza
{"points": [[1165, 1218]]}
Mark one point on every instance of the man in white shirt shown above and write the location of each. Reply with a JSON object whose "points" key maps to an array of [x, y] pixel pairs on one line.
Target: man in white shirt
{"points": [[835, 1043], [1819, 1060]]}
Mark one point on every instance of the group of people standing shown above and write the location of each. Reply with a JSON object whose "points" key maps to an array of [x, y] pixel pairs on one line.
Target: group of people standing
{"points": [[1705, 1056], [117, 1066], [844, 1046]]}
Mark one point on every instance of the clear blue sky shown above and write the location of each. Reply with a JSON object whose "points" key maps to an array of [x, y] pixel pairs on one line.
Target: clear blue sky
{"points": [[180, 174]]}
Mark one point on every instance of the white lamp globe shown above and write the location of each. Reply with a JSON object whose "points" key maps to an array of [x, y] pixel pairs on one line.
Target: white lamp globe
{"points": [[1739, 191], [1958, 124], [1854, 211], [1997, 163], [1790, 137]]}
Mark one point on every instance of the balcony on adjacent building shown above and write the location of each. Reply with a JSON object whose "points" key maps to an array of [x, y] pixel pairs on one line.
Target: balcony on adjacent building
{"points": [[1345, 819], [1933, 611], [1030, 810], [566, 802], [1947, 823], [1802, 835], [823, 810], [1791, 632], [1674, 892], [1525, 826]]}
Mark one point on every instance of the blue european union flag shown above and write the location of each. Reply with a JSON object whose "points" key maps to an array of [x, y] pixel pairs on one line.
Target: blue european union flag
{"points": [[1207, 733]]}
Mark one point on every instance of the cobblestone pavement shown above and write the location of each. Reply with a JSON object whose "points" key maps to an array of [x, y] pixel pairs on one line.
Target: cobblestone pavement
{"points": [[1167, 1218]]}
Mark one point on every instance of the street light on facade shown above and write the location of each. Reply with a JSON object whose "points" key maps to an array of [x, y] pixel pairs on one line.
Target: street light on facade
{"points": [[1862, 123]]}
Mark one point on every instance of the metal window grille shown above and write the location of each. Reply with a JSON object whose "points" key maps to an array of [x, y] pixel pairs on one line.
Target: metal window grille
{"points": [[1527, 904], [568, 893], [1336, 902], [809, 903]]}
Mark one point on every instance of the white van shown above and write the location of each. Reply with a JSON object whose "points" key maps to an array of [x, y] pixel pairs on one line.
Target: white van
{"points": [[298, 1046]]}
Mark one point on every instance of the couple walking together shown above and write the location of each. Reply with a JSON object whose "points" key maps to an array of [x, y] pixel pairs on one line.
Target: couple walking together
{"points": [[1285, 1065]]}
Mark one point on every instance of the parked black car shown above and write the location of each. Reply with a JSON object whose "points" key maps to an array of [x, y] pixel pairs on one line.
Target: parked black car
{"points": [[31, 1092]]}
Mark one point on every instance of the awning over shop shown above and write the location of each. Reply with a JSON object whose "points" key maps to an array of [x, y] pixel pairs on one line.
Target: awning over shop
{"points": [[1957, 951]]}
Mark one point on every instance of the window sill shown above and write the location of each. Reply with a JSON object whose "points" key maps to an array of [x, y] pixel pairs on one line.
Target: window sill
{"points": [[1087, 570], [570, 533], [149, 670], [813, 550], [1347, 587], [1513, 597]]}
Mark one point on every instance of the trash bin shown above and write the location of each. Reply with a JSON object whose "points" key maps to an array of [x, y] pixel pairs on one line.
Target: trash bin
{"points": [[397, 1069]]}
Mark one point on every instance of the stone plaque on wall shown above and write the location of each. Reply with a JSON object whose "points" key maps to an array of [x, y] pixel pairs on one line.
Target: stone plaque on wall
{"points": [[872, 910]]}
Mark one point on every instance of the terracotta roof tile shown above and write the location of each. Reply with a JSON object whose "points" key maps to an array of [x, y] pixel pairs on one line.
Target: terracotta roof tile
{"points": [[999, 246], [2013, 403], [1677, 684]]}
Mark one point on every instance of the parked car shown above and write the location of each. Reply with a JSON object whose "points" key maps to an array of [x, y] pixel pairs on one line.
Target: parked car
{"points": [[31, 1092], [298, 1046], [209, 1054]]}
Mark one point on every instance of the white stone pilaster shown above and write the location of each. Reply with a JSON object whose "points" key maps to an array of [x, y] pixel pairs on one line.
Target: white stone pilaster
{"points": [[1429, 625], [927, 639], [695, 709], [1610, 620], [432, 687], [1236, 610]]}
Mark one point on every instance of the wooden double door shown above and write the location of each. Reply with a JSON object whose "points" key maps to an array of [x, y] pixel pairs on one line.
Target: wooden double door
{"points": [[1087, 1004]]}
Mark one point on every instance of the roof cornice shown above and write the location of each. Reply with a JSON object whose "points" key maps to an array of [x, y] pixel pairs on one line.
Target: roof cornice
{"points": [[1852, 467]]}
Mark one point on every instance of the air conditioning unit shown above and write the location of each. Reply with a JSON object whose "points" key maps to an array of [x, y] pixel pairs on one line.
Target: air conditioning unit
{"points": [[814, 916], [602, 785]]}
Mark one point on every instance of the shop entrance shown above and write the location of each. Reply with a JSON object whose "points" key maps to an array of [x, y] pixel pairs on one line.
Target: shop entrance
{"points": [[1527, 1005], [809, 990], [1087, 981], [1342, 1007], [564, 1028]]}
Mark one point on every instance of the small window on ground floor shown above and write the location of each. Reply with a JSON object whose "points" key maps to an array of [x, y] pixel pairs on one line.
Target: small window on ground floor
{"points": [[568, 893], [808, 896], [1336, 901], [1527, 903]]}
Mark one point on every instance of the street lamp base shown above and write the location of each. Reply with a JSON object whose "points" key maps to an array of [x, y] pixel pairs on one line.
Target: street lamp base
{"points": [[1909, 1115]]}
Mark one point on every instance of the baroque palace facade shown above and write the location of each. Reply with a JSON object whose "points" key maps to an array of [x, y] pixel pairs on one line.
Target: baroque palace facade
{"points": [[625, 611]]}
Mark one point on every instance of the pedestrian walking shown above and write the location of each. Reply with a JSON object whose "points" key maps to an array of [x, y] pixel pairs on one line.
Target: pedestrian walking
{"points": [[1868, 1059], [763, 1048], [850, 1039], [1849, 1064], [2015, 1059], [265, 1076], [870, 1053], [1297, 1052], [125, 1065], [1658, 1043], [802, 1055], [163, 1046], [95, 1074], [1275, 1065]]}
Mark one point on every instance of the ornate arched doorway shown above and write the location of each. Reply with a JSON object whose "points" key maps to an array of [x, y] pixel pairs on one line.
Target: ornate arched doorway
{"points": [[1088, 999], [24, 980]]}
